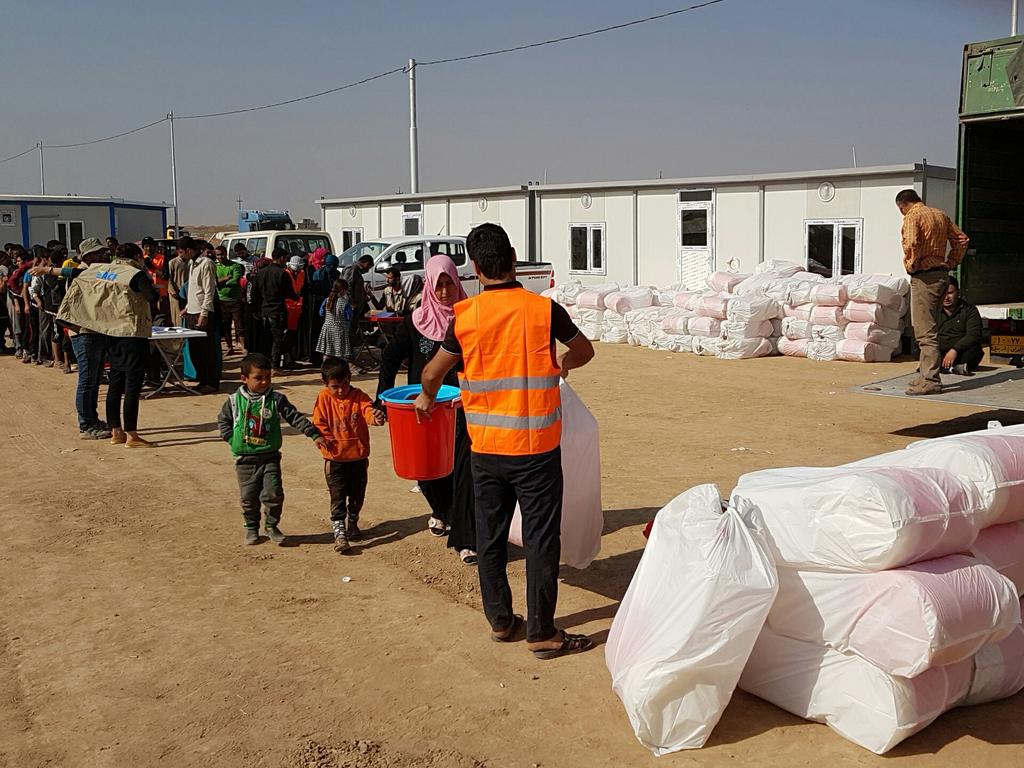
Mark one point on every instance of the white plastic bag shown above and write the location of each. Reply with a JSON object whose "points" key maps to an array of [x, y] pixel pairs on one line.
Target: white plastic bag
{"points": [[863, 519], [903, 621], [752, 308], [745, 348], [998, 669], [689, 619], [856, 699], [582, 516]]}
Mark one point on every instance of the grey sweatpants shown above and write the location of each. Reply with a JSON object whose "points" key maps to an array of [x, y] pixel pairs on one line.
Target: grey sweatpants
{"points": [[260, 486]]}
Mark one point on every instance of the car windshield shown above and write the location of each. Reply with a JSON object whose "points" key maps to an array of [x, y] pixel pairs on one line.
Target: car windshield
{"points": [[353, 254]]}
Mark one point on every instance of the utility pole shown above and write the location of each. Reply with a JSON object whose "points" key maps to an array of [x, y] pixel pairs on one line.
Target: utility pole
{"points": [[42, 175], [414, 159], [1013, 18], [174, 176], [239, 202]]}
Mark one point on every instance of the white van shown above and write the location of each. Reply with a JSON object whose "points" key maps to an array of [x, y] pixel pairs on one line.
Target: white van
{"points": [[298, 242]]}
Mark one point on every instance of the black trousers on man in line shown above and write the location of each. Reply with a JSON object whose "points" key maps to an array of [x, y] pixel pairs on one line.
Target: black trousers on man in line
{"points": [[536, 483], [275, 327]]}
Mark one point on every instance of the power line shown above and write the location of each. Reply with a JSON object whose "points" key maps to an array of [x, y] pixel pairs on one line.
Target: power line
{"points": [[105, 138], [577, 36], [20, 154], [295, 100]]}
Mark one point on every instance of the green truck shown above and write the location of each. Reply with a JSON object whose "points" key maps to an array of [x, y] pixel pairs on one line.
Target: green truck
{"points": [[990, 186]]}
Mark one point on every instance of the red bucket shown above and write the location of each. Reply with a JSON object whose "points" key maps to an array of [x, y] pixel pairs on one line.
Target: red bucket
{"points": [[421, 450]]}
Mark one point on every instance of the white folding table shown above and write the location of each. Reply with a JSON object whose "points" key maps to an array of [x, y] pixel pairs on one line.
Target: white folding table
{"points": [[170, 343]]}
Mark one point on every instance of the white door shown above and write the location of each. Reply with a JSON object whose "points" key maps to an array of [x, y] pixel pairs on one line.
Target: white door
{"points": [[695, 229]]}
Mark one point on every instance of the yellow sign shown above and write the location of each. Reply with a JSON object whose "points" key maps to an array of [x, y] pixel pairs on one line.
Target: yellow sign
{"points": [[1007, 345]]}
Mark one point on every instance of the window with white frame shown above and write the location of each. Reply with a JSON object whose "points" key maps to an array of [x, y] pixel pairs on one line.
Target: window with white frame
{"points": [[71, 233], [833, 247], [412, 219], [351, 236], [587, 249]]}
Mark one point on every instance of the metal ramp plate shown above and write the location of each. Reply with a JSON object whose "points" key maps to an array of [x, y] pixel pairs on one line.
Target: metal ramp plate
{"points": [[990, 387]]}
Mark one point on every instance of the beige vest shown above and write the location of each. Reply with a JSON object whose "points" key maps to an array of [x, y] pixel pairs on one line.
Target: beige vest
{"points": [[100, 300]]}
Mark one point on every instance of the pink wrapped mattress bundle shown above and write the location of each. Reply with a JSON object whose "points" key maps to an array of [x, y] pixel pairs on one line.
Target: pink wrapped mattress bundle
{"points": [[1002, 547], [751, 308], [904, 621], [831, 333], [856, 699], [817, 315], [829, 295], [679, 299], [792, 347], [856, 351], [998, 669], [709, 327], [795, 328], [676, 321], [713, 305], [876, 334], [863, 312], [592, 297], [747, 329], [739, 348], [724, 282], [706, 346], [887, 290], [863, 518], [992, 460], [629, 299]]}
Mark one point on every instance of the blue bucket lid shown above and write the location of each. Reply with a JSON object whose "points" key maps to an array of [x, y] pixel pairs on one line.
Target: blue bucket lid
{"points": [[405, 395]]}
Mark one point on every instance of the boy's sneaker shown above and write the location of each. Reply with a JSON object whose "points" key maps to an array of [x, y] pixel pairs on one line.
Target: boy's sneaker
{"points": [[252, 536], [274, 534], [340, 538], [352, 532], [960, 369]]}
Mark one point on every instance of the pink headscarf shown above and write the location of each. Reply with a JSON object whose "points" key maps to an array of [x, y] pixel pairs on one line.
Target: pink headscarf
{"points": [[432, 318], [317, 259]]}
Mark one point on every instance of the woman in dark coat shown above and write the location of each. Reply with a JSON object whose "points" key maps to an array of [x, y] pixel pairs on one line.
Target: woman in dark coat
{"points": [[416, 341]]}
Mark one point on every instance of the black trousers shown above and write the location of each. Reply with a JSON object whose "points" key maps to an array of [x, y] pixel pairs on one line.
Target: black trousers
{"points": [[971, 357], [346, 481], [536, 483], [128, 360], [451, 497], [275, 327]]}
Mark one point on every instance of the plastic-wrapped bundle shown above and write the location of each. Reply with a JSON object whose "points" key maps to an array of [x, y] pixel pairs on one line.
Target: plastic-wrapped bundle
{"points": [[998, 670], [614, 328], [550, 293], [686, 299], [701, 325], [712, 305], [903, 621], [877, 289], [876, 334], [677, 321], [724, 282], [863, 519], [689, 620], [792, 347], [1002, 547], [747, 329], [753, 308], [831, 333], [856, 351], [590, 322], [593, 296], [569, 292], [829, 294], [992, 460], [822, 351], [862, 312], [817, 315], [706, 346], [780, 267], [795, 328], [628, 299], [739, 348], [642, 323], [856, 699], [670, 297], [665, 342]]}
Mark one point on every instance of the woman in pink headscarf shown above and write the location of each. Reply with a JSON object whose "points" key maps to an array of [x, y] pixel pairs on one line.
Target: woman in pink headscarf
{"points": [[417, 340], [316, 260]]}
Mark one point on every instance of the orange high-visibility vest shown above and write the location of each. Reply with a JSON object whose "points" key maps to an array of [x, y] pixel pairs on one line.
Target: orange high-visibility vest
{"points": [[156, 273], [510, 380]]}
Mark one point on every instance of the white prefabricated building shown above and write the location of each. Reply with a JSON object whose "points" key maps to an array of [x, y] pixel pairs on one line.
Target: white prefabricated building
{"points": [[665, 231]]}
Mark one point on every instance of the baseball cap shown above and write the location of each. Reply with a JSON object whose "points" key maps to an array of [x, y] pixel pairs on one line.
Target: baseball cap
{"points": [[90, 245]]}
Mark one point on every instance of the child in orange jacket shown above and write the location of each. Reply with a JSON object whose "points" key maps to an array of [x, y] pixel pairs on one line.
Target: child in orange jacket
{"points": [[341, 414]]}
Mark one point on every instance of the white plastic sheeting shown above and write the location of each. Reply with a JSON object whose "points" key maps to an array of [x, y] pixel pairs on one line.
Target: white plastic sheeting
{"points": [[582, 516], [795, 328], [724, 282], [590, 322], [855, 351], [863, 519], [745, 348], [746, 329], [704, 326], [831, 333], [876, 334], [853, 697], [593, 296], [862, 312], [904, 621], [1002, 547], [779, 267], [998, 669], [688, 621], [628, 299], [753, 308]]}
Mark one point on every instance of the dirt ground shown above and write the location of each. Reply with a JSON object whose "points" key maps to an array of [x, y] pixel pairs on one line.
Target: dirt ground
{"points": [[136, 630]]}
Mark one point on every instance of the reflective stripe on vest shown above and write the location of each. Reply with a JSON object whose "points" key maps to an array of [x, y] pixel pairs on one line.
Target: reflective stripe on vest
{"points": [[510, 380]]}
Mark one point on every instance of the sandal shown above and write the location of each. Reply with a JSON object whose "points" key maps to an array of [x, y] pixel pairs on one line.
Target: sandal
{"points": [[513, 633], [468, 556], [570, 644], [436, 527]]}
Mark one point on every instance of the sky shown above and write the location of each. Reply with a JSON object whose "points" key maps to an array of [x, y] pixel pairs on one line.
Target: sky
{"points": [[743, 86]]}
